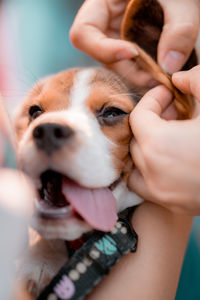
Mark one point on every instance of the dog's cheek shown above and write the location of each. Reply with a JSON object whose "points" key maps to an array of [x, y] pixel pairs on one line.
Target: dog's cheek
{"points": [[30, 160], [90, 164], [120, 136]]}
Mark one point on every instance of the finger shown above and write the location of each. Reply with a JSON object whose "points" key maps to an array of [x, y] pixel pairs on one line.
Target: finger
{"points": [[146, 115], [137, 156], [179, 33], [88, 33], [137, 184], [188, 81], [170, 113]]}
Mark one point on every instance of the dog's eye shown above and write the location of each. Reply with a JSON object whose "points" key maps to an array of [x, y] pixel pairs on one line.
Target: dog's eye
{"points": [[111, 116], [35, 111], [112, 112]]}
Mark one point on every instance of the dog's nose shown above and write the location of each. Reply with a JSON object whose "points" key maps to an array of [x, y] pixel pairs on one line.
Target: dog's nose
{"points": [[49, 137]]}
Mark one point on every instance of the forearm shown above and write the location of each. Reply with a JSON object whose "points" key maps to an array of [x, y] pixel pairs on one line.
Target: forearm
{"points": [[153, 271]]}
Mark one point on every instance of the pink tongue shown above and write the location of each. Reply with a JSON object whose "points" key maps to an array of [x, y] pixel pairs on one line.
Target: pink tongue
{"points": [[96, 206]]}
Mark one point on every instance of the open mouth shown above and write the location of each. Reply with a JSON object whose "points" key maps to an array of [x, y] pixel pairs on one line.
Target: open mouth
{"points": [[52, 203], [62, 198]]}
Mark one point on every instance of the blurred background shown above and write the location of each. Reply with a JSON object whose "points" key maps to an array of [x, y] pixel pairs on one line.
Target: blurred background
{"points": [[34, 43]]}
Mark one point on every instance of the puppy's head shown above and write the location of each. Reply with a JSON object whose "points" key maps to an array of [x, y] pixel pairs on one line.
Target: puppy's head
{"points": [[73, 140]]}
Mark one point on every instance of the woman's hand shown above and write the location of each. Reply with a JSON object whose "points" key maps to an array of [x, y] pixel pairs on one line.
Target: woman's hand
{"points": [[96, 31], [180, 32], [167, 153]]}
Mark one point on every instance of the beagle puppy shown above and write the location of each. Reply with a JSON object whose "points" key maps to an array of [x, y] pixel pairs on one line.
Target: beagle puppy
{"points": [[73, 141]]}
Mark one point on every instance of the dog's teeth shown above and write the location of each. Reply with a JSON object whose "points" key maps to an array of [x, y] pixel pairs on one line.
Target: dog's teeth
{"points": [[49, 187], [46, 196]]}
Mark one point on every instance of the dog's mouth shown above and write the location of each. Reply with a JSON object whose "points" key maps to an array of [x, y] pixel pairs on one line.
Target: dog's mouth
{"points": [[62, 198], [52, 204]]}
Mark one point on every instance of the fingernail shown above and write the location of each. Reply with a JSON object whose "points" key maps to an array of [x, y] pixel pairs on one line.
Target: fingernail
{"points": [[173, 62], [127, 53]]}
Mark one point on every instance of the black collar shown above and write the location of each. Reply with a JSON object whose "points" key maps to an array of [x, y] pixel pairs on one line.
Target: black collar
{"points": [[91, 262]]}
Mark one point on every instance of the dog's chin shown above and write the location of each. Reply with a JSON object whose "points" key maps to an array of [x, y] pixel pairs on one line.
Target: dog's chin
{"points": [[55, 217], [67, 229]]}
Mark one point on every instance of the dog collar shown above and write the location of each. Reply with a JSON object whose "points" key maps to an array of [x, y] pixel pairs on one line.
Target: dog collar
{"points": [[91, 263]]}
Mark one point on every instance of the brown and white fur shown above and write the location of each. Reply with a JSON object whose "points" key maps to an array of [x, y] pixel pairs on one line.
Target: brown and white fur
{"points": [[94, 105]]}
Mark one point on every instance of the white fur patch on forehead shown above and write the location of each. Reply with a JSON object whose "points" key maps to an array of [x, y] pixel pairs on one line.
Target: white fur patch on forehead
{"points": [[81, 87]]}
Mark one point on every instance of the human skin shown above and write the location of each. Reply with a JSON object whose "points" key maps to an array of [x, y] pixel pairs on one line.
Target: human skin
{"points": [[96, 31], [153, 271], [166, 153]]}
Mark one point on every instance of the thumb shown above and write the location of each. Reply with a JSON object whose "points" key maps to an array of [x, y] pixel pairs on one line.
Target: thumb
{"points": [[188, 81], [146, 116], [180, 31]]}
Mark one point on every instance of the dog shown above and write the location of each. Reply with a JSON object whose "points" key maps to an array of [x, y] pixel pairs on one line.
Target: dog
{"points": [[73, 141]]}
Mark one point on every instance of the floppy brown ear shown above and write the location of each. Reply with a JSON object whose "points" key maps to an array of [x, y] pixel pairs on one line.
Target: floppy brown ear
{"points": [[142, 24]]}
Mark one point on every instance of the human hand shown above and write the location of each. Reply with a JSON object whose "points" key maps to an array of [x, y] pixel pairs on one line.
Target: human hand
{"points": [[180, 32], [188, 81], [96, 31], [166, 153]]}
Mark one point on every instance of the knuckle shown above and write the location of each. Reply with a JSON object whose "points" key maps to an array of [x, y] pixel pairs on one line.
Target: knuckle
{"points": [[187, 31], [75, 35]]}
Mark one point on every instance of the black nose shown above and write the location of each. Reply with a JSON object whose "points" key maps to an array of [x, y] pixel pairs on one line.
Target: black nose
{"points": [[49, 137]]}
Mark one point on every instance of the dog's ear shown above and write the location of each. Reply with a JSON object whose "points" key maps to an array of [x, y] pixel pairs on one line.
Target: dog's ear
{"points": [[142, 24]]}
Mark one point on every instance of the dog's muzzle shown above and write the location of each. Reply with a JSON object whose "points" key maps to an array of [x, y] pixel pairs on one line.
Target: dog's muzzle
{"points": [[50, 137]]}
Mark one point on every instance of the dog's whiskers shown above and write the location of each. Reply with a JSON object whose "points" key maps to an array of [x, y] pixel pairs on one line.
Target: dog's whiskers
{"points": [[123, 94]]}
